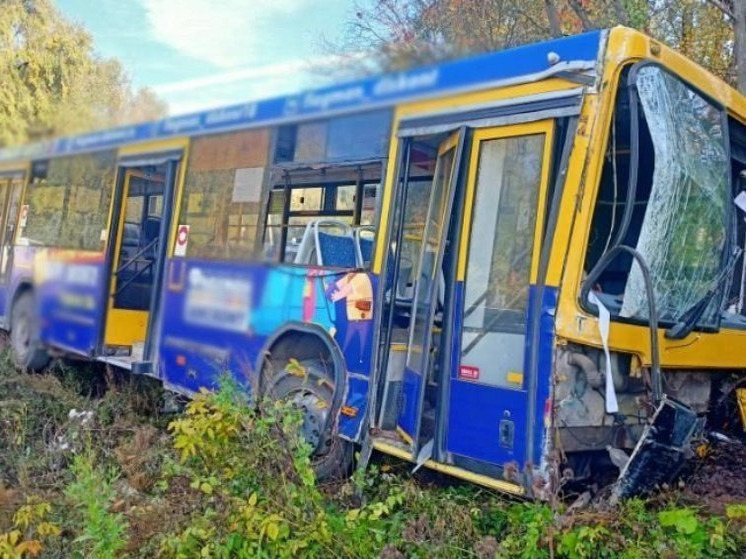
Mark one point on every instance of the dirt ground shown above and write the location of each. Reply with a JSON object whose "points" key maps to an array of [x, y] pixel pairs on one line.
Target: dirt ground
{"points": [[719, 478]]}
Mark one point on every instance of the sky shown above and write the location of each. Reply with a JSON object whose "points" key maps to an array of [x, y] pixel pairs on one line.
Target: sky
{"points": [[198, 54]]}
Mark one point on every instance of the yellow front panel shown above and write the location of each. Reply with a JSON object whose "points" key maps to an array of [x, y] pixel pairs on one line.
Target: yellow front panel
{"points": [[698, 350]]}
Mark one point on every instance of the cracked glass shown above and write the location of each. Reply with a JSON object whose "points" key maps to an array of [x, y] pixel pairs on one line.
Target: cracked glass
{"points": [[685, 230]]}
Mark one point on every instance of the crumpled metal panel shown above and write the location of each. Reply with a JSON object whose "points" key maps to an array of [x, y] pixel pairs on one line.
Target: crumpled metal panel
{"points": [[686, 222]]}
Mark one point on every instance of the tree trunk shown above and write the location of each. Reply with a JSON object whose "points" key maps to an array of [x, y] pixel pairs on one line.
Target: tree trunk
{"points": [[553, 17], [739, 28], [622, 14], [582, 14]]}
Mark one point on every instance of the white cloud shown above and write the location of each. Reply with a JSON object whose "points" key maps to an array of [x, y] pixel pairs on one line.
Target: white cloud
{"points": [[225, 33], [234, 76], [247, 84], [232, 87]]}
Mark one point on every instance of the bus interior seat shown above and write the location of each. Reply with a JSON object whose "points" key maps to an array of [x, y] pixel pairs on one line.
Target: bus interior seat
{"points": [[152, 228], [131, 235], [328, 249], [365, 244]]}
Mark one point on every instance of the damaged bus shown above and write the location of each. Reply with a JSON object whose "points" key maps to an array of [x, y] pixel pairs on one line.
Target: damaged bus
{"points": [[502, 268]]}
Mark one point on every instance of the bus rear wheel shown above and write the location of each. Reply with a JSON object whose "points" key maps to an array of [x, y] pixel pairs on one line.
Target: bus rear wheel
{"points": [[312, 394], [26, 348]]}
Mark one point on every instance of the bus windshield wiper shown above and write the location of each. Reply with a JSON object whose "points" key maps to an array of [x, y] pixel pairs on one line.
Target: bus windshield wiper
{"points": [[687, 320]]}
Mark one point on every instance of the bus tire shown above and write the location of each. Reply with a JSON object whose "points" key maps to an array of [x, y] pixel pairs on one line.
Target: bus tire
{"points": [[313, 393], [27, 351]]}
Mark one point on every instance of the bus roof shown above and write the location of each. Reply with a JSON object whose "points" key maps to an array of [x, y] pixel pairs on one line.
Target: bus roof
{"points": [[520, 64]]}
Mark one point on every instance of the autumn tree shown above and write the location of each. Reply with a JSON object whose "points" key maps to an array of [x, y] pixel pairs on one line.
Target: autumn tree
{"points": [[53, 83], [735, 12], [402, 33]]}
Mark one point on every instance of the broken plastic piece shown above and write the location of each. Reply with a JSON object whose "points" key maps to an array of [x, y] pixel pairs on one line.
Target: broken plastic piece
{"points": [[660, 453]]}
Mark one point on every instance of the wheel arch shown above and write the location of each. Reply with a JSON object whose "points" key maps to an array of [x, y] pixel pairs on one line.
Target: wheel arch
{"points": [[292, 334], [23, 285]]}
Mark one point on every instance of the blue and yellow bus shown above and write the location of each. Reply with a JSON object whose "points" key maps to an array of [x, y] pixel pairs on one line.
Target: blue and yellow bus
{"points": [[499, 268]]}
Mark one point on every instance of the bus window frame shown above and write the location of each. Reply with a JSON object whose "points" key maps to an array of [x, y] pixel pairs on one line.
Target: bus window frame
{"points": [[285, 185], [110, 184]]}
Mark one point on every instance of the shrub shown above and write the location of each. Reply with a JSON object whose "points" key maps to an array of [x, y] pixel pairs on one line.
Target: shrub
{"points": [[102, 532]]}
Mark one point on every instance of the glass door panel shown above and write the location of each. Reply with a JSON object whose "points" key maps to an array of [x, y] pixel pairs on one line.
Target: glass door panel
{"points": [[427, 279]]}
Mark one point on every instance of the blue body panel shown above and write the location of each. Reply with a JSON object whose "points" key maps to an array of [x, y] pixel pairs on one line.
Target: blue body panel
{"points": [[410, 410], [70, 295], [544, 368], [476, 409], [219, 318], [4, 300], [473, 73]]}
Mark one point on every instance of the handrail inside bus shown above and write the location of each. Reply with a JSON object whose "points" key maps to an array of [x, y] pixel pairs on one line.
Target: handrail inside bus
{"points": [[136, 275], [137, 255]]}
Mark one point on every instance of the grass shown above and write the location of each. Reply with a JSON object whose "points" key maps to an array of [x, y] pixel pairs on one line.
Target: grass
{"points": [[116, 478]]}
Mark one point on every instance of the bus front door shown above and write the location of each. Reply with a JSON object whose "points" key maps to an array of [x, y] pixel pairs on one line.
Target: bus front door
{"points": [[140, 232], [494, 407]]}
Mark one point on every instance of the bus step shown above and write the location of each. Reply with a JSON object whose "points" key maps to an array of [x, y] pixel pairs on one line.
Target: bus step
{"points": [[129, 363]]}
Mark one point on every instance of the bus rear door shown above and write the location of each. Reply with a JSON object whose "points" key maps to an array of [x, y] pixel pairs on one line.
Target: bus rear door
{"points": [[140, 225]]}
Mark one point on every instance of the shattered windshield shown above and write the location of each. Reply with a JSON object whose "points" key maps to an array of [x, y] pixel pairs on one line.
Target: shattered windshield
{"points": [[686, 223]]}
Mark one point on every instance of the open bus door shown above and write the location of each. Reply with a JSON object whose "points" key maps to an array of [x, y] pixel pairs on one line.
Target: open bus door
{"points": [[494, 400], [427, 289], [459, 381], [141, 221]]}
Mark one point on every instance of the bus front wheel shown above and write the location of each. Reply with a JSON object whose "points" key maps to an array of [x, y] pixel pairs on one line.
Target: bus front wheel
{"points": [[27, 350], [307, 386]]}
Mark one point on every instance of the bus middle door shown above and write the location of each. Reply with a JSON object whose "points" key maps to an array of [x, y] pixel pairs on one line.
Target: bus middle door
{"points": [[140, 226]]}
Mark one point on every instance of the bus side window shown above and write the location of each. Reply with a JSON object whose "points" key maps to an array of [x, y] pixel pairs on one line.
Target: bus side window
{"points": [[339, 201], [68, 201], [223, 193], [331, 170]]}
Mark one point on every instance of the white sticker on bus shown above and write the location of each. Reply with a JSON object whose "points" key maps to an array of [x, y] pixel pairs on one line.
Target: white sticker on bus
{"points": [[182, 239], [247, 184]]}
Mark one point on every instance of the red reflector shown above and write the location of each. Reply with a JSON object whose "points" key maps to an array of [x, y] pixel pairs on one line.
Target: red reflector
{"points": [[180, 360], [363, 305]]}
